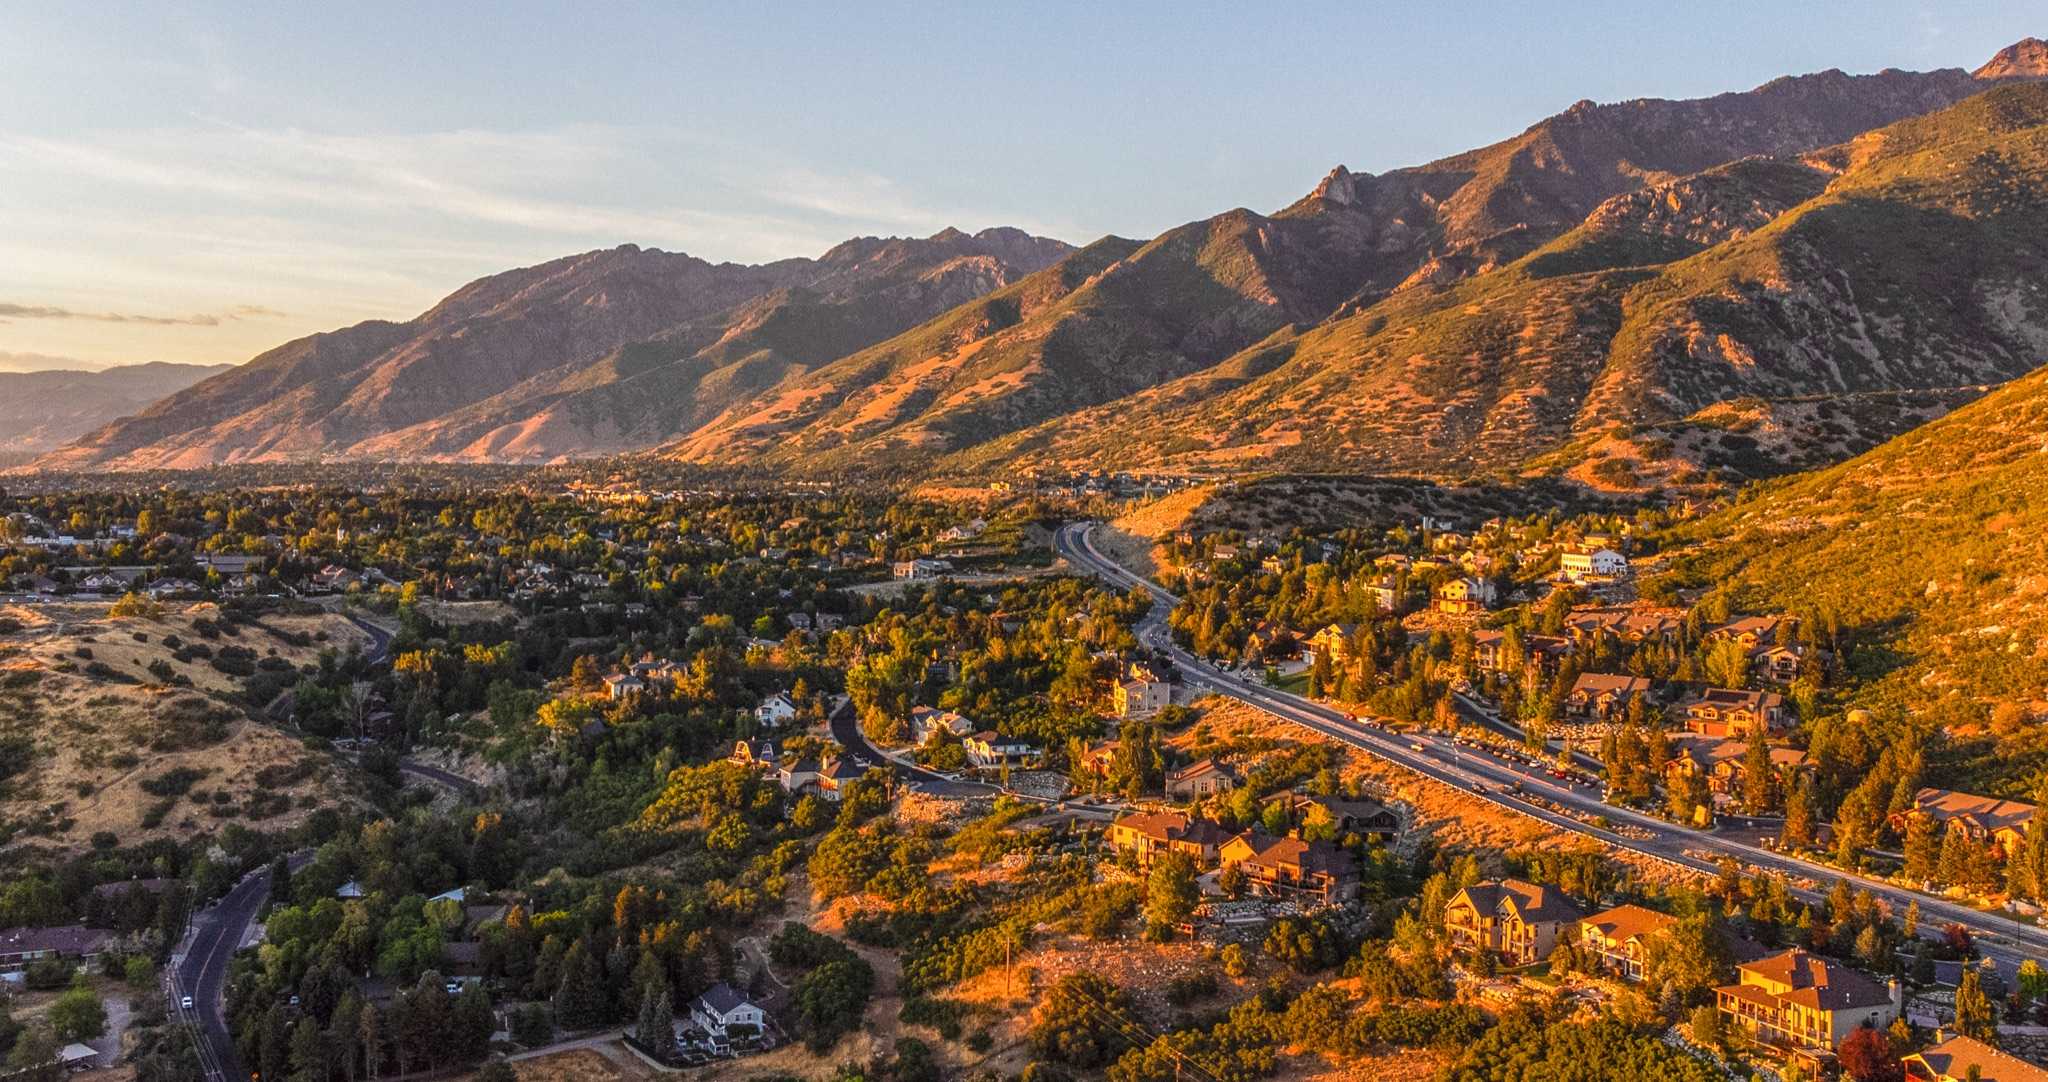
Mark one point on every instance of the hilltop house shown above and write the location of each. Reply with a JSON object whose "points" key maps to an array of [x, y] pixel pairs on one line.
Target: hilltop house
{"points": [[1798, 1000], [1467, 595], [1137, 698], [1367, 818], [920, 570], [2001, 824], [1631, 625], [1967, 1059], [991, 749], [1333, 642], [775, 711], [925, 722], [1757, 632], [621, 685], [1291, 867], [1200, 778], [1547, 651], [1618, 939], [1518, 920], [1604, 696], [1726, 712], [1592, 564], [1722, 761], [1148, 834]]}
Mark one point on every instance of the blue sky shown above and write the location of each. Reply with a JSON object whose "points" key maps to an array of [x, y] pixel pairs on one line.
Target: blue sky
{"points": [[198, 182]]}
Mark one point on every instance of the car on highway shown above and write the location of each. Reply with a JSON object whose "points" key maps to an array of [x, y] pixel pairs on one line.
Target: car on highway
{"points": [[185, 1003]]}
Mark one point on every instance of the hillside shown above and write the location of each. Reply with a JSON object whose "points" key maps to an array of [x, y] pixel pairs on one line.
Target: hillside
{"points": [[1905, 260], [1929, 550], [587, 354], [40, 411]]}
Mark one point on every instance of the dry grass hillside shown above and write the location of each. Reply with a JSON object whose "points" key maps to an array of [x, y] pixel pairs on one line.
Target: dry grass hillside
{"points": [[99, 735]]}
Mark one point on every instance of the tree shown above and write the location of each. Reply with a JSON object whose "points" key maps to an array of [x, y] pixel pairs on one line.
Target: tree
{"points": [[78, 1014], [308, 1052], [1867, 1056], [496, 1070], [1923, 848], [35, 1051], [1076, 1023], [1707, 1030], [1171, 893], [1975, 1016], [579, 999], [1797, 832], [1759, 783], [656, 1028], [370, 1031]]}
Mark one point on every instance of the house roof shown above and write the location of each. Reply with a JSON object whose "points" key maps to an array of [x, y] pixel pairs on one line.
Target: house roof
{"points": [[1732, 698], [723, 999], [1295, 853], [1201, 768], [1533, 901], [1954, 1057], [1989, 812], [63, 939], [1625, 922], [1816, 982], [1598, 683]]}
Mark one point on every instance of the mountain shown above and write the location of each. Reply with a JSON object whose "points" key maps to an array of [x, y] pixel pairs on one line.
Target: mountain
{"points": [[1567, 301], [1447, 318], [1907, 259], [1929, 552], [587, 354], [42, 410]]}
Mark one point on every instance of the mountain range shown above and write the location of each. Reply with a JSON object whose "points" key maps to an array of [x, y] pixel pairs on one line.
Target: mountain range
{"points": [[42, 410], [1632, 293]]}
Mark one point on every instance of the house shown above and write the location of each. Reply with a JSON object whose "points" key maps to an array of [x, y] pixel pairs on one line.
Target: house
{"points": [[1546, 651], [1618, 939], [1269, 639], [1141, 698], [1333, 642], [990, 749], [754, 753], [1367, 818], [724, 1011], [1467, 595], [775, 711], [1588, 564], [231, 565], [349, 890], [1722, 760], [1798, 1000], [1148, 834], [1985, 820], [619, 686], [1756, 632], [1387, 593], [21, 947], [1291, 867], [1967, 1058], [925, 722], [920, 569], [1778, 664], [1604, 696], [1199, 779], [164, 589], [965, 532], [1725, 712], [1520, 921], [833, 777], [1629, 624]]}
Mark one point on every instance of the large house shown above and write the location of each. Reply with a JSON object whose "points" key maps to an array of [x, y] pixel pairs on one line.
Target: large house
{"points": [[1725, 712], [2001, 824], [723, 1008], [1967, 1059], [826, 780], [1137, 698], [621, 685], [919, 570], [1627, 624], [775, 711], [1467, 595], [1547, 651], [1798, 1000], [1604, 696], [1333, 642], [925, 722], [1291, 867], [1722, 761], [991, 749], [1148, 834], [22, 947], [1368, 818], [1518, 920], [1619, 939], [1200, 778], [1592, 564], [1756, 632]]}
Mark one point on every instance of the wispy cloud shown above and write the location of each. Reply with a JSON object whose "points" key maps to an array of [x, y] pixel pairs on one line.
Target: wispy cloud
{"points": [[9, 311]]}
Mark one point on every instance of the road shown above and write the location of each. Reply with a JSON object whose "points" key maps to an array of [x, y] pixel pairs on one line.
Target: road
{"points": [[437, 776], [845, 728], [1438, 757], [217, 933]]}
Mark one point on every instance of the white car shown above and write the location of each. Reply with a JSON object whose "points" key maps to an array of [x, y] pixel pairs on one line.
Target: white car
{"points": [[186, 1003]]}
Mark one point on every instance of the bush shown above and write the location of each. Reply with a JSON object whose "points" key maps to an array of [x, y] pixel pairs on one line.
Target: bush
{"points": [[50, 973], [173, 782]]}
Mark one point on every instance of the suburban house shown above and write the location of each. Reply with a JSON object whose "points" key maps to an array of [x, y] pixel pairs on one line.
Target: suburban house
{"points": [[1624, 623], [775, 711], [623, 686], [835, 776], [1269, 639], [21, 947], [920, 569], [1199, 779], [1387, 593], [2001, 824], [1467, 595], [825, 780], [1798, 1000], [1367, 818], [1290, 867], [1722, 761], [1136, 698], [1333, 642], [1547, 651], [1619, 938], [1587, 564], [1519, 920], [991, 749], [925, 722], [1778, 664], [1147, 834], [723, 1008], [1724, 712], [1756, 632], [1604, 696], [1967, 1059]]}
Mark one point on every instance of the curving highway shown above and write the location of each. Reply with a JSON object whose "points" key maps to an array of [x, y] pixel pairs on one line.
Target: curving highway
{"points": [[1436, 756]]}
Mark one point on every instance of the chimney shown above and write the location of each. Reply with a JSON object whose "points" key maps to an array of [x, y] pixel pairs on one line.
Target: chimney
{"points": [[1898, 996]]}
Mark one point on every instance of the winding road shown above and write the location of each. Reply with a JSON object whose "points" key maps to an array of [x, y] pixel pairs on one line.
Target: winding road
{"points": [[218, 931], [1438, 757]]}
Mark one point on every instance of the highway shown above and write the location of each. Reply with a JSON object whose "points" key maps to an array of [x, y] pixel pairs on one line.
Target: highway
{"points": [[1438, 757]]}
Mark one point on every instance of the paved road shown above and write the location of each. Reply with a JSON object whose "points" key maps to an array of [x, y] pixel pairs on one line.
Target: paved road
{"points": [[1438, 757], [217, 933], [845, 728], [437, 776]]}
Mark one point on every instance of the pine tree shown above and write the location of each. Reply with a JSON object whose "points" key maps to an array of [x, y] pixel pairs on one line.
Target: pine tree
{"points": [[1974, 1013], [1758, 783], [1923, 848], [1797, 831], [371, 1032], [579, 1000], [656, 1028]]}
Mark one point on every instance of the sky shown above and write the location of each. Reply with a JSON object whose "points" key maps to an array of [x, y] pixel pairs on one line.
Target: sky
{"points": [[200, 182]]}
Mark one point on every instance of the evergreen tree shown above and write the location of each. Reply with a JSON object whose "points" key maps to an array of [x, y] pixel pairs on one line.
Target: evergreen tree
{"points": [[1797, 830], [1923, 848], [656, 1028], [1171, 892], [1974, 1014], [579, 1000], [1759, 784]]}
